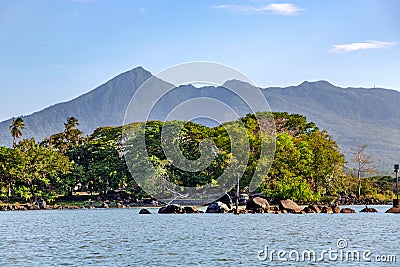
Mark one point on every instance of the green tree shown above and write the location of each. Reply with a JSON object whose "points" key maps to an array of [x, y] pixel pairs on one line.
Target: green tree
{"points": [[100, 161], [16, 128], [37, 169], [327, 162], [70, 137], [6, 161], [72, 134]]}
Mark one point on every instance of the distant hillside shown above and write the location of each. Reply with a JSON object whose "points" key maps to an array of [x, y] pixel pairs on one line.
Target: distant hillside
{"points": [[352, 115], [102, 106]]}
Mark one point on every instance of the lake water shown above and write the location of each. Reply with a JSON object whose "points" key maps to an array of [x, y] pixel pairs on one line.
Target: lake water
{"points": [[122, 237]]}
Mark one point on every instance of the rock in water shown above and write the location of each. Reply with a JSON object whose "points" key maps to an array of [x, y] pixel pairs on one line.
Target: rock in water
{"points": [[347, 210], [336, 209], [326, 210], [171, 209], [366, 209], [190, 209], [315, 208], [42, 204], [289, 205], [144, 211], [308, 210], [227, 200], [393, 210], [217, 207], [257, 204]]}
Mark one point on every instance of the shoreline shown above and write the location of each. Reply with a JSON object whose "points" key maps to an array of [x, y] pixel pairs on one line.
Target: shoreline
{"points": [[27, 207]]}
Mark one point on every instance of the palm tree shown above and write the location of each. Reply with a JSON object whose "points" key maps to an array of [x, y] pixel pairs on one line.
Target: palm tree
{"points": [[72, 135], [72, 122], [15, 128]]}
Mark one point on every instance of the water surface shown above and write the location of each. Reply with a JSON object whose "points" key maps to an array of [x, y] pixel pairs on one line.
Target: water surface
{"points": [[122, 237]]}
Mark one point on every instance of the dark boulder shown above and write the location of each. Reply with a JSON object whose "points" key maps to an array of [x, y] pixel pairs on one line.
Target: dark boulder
{"points": [[347, 210], [171, 209], [258, 205], [393, 210], [227, 200], [190, 209], [326, 210], [217, 207], [41, 203], [366, 209], [144, 211], [289, 205], [308, 210]]}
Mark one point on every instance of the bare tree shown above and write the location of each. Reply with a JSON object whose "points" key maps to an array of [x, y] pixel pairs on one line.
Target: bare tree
{"points": [[363, 161]]}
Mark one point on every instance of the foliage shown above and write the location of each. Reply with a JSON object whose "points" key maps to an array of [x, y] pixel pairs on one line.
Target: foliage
{"points": [[306, 166], [33, 170], [15, 128]]}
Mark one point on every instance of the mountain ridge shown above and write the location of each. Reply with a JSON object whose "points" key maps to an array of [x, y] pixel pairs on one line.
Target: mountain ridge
{"points": [[351, 115]]}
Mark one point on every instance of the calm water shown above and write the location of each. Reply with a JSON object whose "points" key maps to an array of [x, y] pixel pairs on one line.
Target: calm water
{"points": [[122, 237]]}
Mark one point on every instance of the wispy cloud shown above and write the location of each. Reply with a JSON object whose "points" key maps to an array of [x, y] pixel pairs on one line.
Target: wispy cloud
{"points": [[280, 9], [344, 48]]}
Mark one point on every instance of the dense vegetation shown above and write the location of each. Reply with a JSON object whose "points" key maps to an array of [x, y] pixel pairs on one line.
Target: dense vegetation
{"points": [[307, 165]]}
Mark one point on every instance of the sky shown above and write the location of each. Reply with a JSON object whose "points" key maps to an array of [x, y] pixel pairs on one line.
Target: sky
{"points": [[52, 51]]}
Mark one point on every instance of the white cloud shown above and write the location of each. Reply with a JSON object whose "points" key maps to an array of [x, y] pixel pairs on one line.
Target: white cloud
{"points": [[343, 48], [281, 9]]}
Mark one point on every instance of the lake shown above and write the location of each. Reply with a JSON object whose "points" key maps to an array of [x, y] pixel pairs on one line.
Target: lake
{"points": [[122, 237]]}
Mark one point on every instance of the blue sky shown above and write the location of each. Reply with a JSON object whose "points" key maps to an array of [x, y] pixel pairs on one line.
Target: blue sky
{"points": [[53, 51]]}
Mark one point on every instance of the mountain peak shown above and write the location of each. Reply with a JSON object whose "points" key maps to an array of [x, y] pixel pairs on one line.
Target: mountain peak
{"points": [[320, 83], [140, 69], [235, 82]]}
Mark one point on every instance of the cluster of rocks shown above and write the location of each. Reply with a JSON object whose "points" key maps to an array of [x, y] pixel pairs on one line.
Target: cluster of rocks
{"points": [[42, 205], [11, 207], [256, 205], [174, 209], [179, 209], [352, 199], [260, 205]]}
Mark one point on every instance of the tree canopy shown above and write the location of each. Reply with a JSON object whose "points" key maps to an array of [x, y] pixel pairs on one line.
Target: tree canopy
{"points": [[307, 163]]}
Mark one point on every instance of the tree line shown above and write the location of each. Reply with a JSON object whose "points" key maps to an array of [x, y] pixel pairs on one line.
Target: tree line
{"points": [[307, 165]]}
